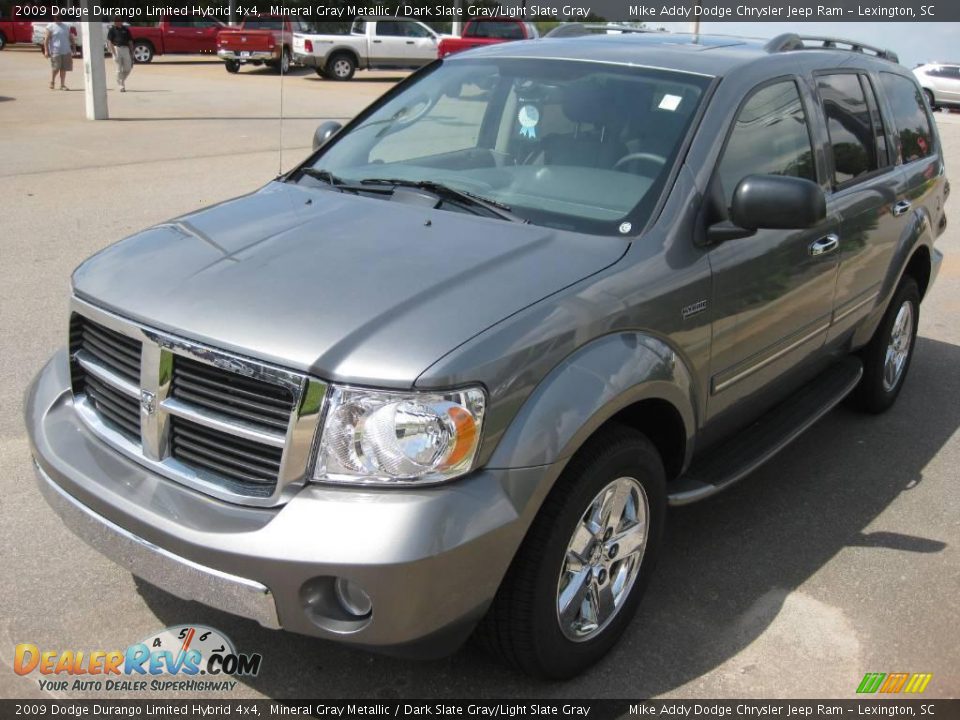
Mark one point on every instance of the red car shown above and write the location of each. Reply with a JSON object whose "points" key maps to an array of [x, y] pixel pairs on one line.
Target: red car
{"points": [[14, 31], [187, 36], [268, 40], [477, 33]]}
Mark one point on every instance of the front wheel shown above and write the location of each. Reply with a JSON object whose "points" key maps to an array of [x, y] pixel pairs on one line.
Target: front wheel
{"points": [[233, 66], [3, 41], [930, 99], [886, 358], [578, 578], [142, 52]]}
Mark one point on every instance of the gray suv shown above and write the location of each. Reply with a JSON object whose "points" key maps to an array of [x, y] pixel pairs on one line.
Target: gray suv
{"points": [[446, 376]]}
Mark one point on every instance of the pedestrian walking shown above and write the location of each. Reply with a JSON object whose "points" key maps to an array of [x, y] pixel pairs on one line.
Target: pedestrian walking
{"points": [[121, 45], [59, 46]]}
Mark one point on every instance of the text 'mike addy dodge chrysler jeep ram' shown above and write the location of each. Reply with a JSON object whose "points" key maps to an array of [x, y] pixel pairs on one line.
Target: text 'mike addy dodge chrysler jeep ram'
{"points": [[447, 375]]}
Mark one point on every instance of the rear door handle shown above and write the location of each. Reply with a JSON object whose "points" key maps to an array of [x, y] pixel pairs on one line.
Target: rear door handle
{"points": [[901, 207], [824, 245], [409, 42]]}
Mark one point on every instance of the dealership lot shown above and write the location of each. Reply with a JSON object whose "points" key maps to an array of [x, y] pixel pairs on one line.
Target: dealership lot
{"points": [[838, 558]]}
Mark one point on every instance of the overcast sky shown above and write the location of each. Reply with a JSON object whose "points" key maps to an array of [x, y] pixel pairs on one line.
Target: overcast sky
{"points": [[914, 42]]}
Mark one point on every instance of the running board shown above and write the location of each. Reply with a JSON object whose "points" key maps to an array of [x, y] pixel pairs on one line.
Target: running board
{"points": [[749, 449]]}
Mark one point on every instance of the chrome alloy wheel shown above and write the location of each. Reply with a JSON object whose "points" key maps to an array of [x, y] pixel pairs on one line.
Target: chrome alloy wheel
{"points": [[898, 350], [603, 559], [341, 68], [141, 53]]}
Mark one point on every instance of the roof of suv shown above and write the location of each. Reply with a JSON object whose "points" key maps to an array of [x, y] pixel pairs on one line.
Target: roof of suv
{"points": [[709, 55]]}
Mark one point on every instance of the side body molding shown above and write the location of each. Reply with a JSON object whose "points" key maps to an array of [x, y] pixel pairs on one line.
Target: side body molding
{"points": [[587, 389]]}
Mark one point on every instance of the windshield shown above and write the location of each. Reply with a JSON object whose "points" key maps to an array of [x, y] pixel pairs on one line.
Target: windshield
{"points": [[572, 145]]}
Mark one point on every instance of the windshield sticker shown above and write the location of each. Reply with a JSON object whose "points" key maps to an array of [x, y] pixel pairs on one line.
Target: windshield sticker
{"points": [[670, 102], [529, 117]]}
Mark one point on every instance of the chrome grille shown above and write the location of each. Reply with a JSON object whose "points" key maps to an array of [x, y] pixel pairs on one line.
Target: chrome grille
{"points": [[97, 353], [232, 427]]}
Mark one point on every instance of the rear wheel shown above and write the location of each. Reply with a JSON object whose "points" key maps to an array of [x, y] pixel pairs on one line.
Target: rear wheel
{"points": [[142, 52], [232, 66], [577, 579], [284, 65], [340, 67], [886, 359]]}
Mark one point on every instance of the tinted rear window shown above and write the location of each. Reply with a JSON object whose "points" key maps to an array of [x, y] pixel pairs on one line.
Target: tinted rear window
{"points": [[912, 124]]}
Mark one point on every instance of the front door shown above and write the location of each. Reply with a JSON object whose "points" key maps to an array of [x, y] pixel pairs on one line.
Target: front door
{"points": [[388, 46], [772, 291]]}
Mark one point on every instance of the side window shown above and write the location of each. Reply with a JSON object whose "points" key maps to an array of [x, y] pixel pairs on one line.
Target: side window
{"points": [[770, 137], [850, 126], [389, 28], [499, 29], [359, 27], [914, 135], [415, 30]]}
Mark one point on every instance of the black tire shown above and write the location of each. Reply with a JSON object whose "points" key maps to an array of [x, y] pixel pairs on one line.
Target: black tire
{"points": [[321, 72], [142, 52], [340, 67], [523, 626], [877, 390], [232, 66], [282, 66], [3, 41], [930, 100]]}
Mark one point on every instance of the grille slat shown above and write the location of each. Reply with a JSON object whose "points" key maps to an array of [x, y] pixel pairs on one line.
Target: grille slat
{"points": [[252, 466], [111, 355], [121, 355], [249, 400]]}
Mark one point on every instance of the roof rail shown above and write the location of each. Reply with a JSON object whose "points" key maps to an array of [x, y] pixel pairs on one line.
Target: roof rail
{"points": [[576, 29], [792, 41]]}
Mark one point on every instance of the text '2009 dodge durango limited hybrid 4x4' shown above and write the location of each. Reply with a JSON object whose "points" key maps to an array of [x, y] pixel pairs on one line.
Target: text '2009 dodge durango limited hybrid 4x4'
{"points": [[448, 374]]}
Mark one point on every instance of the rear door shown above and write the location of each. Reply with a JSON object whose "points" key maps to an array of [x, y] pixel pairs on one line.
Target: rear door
{"points": [[864, 188], [772, 291]]}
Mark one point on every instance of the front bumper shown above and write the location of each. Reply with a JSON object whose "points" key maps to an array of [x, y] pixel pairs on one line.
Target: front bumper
{"points": [[243, 56], [430, 559]]}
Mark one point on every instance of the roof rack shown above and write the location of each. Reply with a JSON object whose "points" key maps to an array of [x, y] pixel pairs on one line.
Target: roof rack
{"points": [[792, 41], [580, 29]]}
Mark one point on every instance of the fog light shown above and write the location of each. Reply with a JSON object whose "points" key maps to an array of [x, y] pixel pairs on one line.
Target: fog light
{"points": [[353, 598]]}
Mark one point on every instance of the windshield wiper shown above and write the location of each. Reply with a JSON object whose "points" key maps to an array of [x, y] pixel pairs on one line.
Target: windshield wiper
{"points": [[445, 192], [338, 183]]}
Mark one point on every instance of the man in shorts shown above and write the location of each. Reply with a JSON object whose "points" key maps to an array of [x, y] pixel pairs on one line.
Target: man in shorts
{"points": [[59, 46]]}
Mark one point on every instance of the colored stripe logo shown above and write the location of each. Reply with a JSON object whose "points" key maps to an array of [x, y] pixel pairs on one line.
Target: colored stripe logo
{"points": [[891, 683]]}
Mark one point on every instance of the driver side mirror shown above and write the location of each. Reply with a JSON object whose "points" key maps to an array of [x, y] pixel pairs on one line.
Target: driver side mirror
{"points": [[324, 132], [771, 202]]}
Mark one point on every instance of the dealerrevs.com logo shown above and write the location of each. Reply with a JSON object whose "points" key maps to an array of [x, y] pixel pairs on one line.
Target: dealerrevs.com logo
{"points": [[185, 658]]}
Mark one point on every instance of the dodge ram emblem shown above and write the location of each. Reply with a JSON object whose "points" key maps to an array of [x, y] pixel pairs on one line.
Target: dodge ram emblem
{"points": [[148, 402]]}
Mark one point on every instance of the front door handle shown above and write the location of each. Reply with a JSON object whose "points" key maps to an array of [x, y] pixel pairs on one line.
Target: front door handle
{"points": [[901, 207], [825, 245]]}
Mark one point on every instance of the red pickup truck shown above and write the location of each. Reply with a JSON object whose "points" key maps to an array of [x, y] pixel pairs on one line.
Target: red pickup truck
{"points": [[188, 36], [14, 31], [477, 33], [268, 40]]}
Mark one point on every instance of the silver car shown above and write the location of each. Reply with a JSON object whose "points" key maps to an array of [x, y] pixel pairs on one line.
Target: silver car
{"points": [[940, 83]]}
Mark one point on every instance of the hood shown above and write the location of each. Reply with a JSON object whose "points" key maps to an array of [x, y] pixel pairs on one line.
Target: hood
{"points": [[349, 288]]}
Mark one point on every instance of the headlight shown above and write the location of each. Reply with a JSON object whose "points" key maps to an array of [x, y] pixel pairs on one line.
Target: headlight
{"points": [[380, 437]]}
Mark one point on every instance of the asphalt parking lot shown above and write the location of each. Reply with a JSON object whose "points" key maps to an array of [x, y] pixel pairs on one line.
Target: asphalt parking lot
{"points": [[839, 557]]}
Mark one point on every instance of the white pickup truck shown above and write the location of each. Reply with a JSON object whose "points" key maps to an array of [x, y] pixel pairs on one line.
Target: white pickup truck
{"points": [[373, 43]]}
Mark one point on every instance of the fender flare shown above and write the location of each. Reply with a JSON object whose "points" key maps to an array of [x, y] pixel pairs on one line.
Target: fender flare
{"points": [[916, 235], [588, 388]]}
